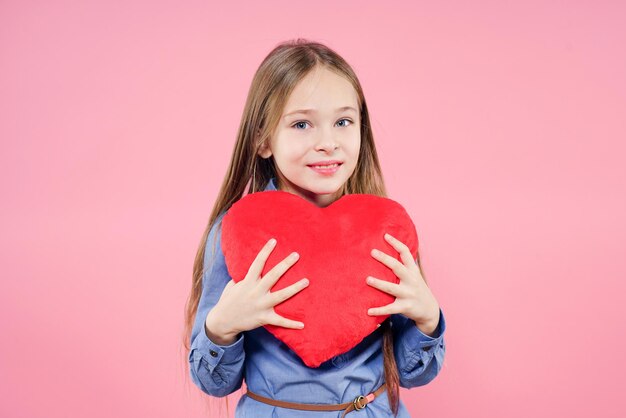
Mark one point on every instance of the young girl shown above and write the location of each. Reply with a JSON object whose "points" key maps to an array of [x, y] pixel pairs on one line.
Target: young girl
{"points": [[305, 110]]}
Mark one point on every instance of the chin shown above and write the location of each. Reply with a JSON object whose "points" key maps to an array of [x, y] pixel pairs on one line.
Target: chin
{"points": [[327, 191], [318, 187]]}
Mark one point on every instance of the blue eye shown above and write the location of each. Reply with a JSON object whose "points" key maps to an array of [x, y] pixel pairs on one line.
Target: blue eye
{"points": [[301, 122], [347, 120]]}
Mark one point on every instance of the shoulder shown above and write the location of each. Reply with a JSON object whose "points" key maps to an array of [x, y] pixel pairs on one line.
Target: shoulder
{"points": [[213, 245], [216, 228]]}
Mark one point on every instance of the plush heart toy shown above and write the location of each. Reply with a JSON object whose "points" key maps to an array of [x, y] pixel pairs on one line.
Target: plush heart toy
{"points": [[334, 244]]}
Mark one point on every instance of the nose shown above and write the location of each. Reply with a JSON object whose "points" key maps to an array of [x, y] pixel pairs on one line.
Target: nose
{"points": [[326, 142]]}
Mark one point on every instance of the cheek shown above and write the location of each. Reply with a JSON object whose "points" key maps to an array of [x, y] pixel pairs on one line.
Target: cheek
{"points": [[288, 146], [355, 146], [292, 153], [296, 149]]}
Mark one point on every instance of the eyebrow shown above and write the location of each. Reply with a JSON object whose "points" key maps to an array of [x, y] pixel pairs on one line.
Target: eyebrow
{"points": [[307, 111]]}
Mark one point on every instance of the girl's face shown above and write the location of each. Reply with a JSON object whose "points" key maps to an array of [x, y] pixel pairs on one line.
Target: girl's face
{"points": [[320, 122]]}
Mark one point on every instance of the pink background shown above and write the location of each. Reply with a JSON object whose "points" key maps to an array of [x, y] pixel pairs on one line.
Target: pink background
{"points": [[500, 128]]}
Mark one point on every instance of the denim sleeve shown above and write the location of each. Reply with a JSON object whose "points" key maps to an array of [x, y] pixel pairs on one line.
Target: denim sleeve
{"points": [[216, 369], [419, 357]]}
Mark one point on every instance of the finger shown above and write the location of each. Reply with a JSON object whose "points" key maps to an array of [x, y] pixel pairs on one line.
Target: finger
{"points": [[281, 321], [256, 268], [385, 286], [389, 261], [383, 310], [402, 248], [284, 294], [272, 276]]}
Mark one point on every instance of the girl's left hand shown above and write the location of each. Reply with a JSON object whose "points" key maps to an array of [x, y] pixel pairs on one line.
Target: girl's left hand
{"points": [[413, 296]]}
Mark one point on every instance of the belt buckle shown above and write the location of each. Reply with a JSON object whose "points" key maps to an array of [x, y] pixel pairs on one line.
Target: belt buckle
{"points": [[357, 402]]}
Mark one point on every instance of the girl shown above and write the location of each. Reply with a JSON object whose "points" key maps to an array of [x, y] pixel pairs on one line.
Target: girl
{"points": [[305, 110]]}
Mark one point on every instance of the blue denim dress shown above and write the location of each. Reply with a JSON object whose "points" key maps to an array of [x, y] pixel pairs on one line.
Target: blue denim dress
{"points": [[273, 370]]}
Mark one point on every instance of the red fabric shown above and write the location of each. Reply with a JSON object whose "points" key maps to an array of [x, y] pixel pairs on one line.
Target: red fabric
{"points": [[334, 244]]}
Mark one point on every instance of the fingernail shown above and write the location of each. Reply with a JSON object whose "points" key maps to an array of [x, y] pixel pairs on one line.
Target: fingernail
{"points": [[294, 255], [301, 325], [305, 282], [272, 241], [370, 280], [387, 236]]}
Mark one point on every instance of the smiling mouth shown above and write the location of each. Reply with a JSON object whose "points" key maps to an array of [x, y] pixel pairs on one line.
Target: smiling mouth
{"points": [[326, 166], [326, 170]]}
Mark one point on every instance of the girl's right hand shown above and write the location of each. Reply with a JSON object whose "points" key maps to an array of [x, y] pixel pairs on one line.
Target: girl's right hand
{"points": [[249, 303]]}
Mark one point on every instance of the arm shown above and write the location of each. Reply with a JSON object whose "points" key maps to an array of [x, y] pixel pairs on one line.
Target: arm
{"points": [[419, 357], [216, 369]]}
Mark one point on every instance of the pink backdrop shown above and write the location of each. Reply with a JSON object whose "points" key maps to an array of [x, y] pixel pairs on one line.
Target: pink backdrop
{"points": [[500, 128]]}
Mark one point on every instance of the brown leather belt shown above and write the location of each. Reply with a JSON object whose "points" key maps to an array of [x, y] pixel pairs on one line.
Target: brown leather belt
{"points": [[358, 403]]}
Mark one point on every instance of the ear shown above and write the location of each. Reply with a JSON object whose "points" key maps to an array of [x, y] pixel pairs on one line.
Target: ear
{"points": [[264, 150]]}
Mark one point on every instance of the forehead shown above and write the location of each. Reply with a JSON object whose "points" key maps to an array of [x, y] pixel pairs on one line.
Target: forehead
{"points": [[322, 92]]}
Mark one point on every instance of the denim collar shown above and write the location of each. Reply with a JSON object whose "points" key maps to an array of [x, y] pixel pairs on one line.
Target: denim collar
{"points": [[271, 185]]}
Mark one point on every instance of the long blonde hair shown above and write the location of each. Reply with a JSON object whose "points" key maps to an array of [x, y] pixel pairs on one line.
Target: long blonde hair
{"points": [[272, 84]]}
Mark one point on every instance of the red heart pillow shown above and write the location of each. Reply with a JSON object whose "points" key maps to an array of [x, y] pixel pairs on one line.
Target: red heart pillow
{"points": [[334, 244]]}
